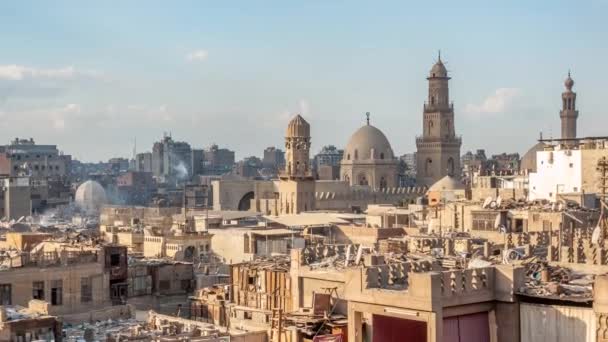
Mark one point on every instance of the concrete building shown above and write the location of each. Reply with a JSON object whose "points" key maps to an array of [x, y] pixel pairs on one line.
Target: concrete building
{"points": [[135, 187], [439, 147], [17, 197], [568, 167], [171, 159], [198, 162], [368, 159], [31, 323], [218, 161], [327, 163], [23, 157], [274, 158], [71, 279], [143, 162]]}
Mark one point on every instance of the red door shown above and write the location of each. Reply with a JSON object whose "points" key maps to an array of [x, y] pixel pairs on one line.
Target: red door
{"points": [[467, 328], [392, 329]]}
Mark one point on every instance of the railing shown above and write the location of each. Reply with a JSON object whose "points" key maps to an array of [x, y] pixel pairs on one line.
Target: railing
{"points": [[452, 139]]}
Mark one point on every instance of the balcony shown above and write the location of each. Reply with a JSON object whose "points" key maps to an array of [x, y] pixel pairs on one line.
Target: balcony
{"points": [[437, 107], [457, 139]]}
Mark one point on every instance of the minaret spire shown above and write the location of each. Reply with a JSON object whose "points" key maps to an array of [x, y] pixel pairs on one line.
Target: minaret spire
{"points": [[367, 117]]}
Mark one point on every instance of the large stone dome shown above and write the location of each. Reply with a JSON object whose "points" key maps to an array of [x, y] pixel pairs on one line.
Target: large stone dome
{"points": [[528, 161], [90, 196], [368, 143]]}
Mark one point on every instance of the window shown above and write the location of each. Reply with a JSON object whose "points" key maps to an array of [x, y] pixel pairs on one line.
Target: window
{"points": [[164, 285], [5, 294], [381, 155], [38, 290], [247, 315], [57, 292], [571, 165], [86, 290], [185, 284], [115, 260]]}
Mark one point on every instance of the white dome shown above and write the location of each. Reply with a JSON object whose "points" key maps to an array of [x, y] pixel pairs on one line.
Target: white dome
{"points": [[90, 196], [368, 143]]}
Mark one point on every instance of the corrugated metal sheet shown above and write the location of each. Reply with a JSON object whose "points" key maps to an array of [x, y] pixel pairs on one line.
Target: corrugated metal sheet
{"points": [[553, 323]]}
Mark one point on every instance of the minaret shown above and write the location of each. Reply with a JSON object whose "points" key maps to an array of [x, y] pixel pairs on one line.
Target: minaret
{"points": [[297, 185], [438, 147], [297, 149], [568, 114]]}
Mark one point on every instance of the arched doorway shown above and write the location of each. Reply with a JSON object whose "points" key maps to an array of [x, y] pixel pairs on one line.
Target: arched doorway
{"points": [[245, 202]]}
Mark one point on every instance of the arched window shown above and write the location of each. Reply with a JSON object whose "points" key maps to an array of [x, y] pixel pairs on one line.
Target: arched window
{"points": [[356, 154], [430, 126], [382, 155], [348, 156], [451, 166], [363, 180], [428, 167], [432, 100]]}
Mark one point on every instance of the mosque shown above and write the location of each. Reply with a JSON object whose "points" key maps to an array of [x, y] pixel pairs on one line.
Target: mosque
{"points": [[368, 170]]}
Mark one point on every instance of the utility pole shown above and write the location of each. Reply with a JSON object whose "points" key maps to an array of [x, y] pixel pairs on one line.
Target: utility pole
{"points": [[602, 169]]}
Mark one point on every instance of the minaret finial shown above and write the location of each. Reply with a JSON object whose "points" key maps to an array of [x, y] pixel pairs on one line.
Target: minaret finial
{"points": [[541, 135], [439, 55], [568, 72], [367, 116]]}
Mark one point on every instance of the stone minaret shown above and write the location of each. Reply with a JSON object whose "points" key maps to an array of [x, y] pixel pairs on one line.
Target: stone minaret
{"points": [[438, 147], [568, 114], [297, 185]]}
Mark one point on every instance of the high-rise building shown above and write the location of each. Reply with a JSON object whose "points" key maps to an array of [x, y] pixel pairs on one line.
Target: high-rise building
{"points": [[23, 157], [218, 161], [274, 158], [568, 114], [143, 162], [438, 148], [172, 159]]}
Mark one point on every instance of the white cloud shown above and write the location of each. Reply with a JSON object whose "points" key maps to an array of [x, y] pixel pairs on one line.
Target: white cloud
{"points": [[499, 102], [197, 56], [14, 72]]}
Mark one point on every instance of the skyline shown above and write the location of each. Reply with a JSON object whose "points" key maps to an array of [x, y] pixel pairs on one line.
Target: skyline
{"points": [[212, 73]]}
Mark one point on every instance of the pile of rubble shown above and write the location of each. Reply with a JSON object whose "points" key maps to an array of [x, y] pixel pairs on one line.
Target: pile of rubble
{"points": [[556, 282]]}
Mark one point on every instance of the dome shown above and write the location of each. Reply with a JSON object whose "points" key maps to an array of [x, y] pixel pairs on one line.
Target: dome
{"points": [[298, 127], [528, 161], [90, 196], [439, 70], [368, 143], [447, 183]]}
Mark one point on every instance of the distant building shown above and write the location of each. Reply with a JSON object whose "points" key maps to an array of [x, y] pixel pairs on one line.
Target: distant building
{"points": [[23, 157], [327, 163], [118, 165], [329, 155], [274, 158], [135, 188], [248, 167], [143, 162], [172, 159], [197, 161], [218, 161]]}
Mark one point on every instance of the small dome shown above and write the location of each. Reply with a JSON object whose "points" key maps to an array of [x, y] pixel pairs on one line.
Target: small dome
{"points": [[528, 161], [368, 143], [569, 82], [298, 127], [90, 196], [439, 70], [447, 183]]}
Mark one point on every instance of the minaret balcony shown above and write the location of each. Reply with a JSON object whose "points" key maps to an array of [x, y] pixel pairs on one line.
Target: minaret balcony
{"points": [[437, 107], [456, 139]]}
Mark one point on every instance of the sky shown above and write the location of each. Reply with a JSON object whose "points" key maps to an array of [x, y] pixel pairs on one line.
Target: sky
{"points": [[94, 77]]}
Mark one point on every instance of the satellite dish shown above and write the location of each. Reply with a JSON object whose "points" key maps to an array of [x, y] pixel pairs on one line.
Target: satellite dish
{"points": [[498, 201], [595, 236], [487, 202]]}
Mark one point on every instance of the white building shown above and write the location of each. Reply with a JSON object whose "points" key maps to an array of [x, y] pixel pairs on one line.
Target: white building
{"points": [[557, 172]]}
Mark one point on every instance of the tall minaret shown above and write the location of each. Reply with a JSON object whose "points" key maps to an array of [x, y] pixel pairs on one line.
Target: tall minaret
{"points": [[438, 148], [297, 149], [297, 185], [568, 114]]}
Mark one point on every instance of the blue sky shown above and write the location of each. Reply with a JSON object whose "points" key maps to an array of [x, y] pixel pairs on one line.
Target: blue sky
{"points": [[93, 77]]}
